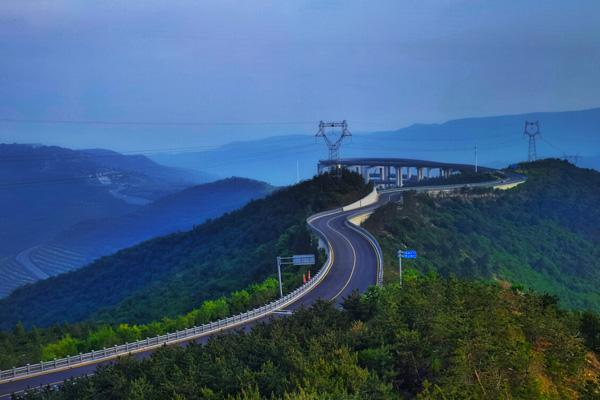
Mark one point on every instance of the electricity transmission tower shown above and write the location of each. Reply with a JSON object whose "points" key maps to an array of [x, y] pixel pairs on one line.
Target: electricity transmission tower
{"points": [[335, 141], [532, 129]]}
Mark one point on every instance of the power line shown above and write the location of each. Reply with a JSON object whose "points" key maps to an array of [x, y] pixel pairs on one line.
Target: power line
{"points": [[151, 123], [87, 153]]}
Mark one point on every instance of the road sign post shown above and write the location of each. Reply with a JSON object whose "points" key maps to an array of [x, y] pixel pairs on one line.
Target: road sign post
{"points": [[279, 276], [404, 254], [298, 259]]}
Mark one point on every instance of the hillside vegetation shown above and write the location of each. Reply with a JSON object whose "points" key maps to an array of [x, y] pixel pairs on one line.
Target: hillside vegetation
{"points": [[544, 234], [431, 339], [169, 276]]}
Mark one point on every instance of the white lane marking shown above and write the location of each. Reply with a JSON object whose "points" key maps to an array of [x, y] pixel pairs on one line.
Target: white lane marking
{"points": [[353, 255], [368, 239]]}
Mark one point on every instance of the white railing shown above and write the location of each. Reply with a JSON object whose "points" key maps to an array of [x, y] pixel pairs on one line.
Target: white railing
{"points": [[195, 332], [181, 335]]}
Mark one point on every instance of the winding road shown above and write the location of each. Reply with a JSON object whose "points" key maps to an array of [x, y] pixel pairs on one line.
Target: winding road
{"points": [[354, 266]]}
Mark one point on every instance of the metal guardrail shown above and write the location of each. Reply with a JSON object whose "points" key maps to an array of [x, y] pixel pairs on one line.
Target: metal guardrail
{"points": [[177, 336], [510, 179], [371, 240], [375, 245]]}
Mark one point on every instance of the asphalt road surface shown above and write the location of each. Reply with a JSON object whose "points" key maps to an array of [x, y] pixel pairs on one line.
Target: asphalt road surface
{"points": [[354, 267]]}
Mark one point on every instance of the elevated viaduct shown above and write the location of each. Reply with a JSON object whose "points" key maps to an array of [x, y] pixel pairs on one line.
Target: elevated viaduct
{"points": [[394, 172]]}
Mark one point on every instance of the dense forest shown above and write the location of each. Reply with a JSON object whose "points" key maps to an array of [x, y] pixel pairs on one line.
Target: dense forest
{"points": [[20, 347], [543, 234], [465, 323], [431, 339], [170, 275]]}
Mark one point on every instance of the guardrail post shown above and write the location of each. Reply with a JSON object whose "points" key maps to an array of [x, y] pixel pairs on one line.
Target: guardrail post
{"points": [[104, 351], [93, 354], [80, 357], [28, 369], [55, 363], [14, 371], [42, 365]]}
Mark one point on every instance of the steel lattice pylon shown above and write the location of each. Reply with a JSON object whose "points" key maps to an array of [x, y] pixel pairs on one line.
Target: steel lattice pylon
{"points": [[333, 145], [532, 129]]}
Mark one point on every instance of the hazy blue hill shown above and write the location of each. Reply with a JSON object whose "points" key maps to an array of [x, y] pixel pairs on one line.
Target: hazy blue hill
{"points": [[45, 190], [170, 275], [499, 139], [176, 212], [275, 159], [141, 164]]}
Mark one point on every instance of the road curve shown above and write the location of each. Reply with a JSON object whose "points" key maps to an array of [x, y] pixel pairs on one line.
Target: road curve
{"points": [[354, 266]]}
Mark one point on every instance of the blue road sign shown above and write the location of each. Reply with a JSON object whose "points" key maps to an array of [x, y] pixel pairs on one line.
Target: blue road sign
{"points": [[303, 259], [408, 253]]}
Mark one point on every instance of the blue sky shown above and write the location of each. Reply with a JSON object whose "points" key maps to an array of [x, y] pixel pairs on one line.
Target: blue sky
{"points": [[379, 64]]}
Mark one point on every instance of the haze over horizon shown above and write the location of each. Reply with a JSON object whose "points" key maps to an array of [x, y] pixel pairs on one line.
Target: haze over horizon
{"points": [[288, 64]]}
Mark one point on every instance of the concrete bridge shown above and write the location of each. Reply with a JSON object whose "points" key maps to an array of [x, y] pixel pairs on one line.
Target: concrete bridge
{"points": [[394, 172]]}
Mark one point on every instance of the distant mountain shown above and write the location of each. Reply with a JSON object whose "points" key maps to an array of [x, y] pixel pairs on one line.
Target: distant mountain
{"points": [[139, 164], [499, 139], [45, 190]]}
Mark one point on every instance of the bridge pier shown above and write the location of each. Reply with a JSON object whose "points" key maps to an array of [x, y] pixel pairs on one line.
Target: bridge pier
{"points": [[399, 181], [364, 171], [385, 174]]}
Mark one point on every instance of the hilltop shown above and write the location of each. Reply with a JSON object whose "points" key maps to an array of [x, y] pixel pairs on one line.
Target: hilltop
{"points": [[543, 234]]}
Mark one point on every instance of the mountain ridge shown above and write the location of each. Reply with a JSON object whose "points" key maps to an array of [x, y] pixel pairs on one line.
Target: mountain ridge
{"points": [[499, 140]]}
